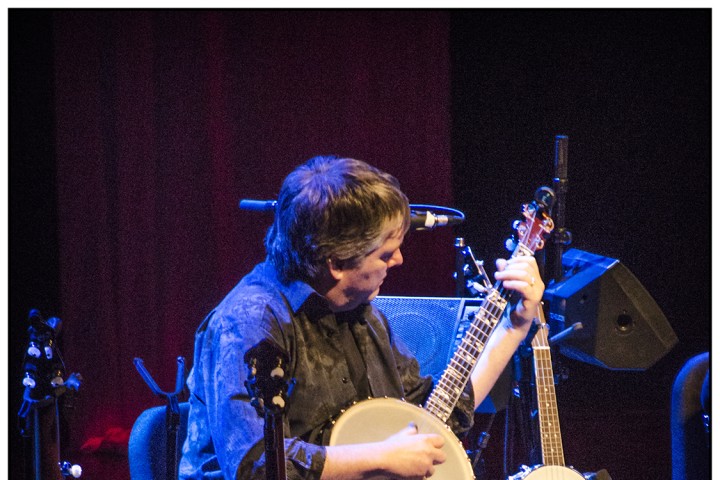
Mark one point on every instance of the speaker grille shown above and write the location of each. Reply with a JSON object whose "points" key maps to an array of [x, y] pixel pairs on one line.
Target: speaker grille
{"points": [[431, 327]]}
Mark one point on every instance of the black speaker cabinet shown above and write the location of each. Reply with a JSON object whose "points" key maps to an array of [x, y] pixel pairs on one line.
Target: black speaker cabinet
{"points": [[623, 327], [431, 328]]}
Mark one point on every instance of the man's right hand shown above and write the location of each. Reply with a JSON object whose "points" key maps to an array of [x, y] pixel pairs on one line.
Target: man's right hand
{"points": [[412, 454], [406, 455]]}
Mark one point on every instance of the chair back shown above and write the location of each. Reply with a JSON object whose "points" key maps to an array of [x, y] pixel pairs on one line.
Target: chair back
{"points": [[147, 447], [689, 438]]}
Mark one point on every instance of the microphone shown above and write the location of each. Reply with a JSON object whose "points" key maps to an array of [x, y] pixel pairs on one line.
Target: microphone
{"points": [[257, 205], [419, 220], [427, 220]]}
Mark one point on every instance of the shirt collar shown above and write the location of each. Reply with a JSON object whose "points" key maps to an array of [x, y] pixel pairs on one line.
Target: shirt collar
{"points": [[296, 292]]}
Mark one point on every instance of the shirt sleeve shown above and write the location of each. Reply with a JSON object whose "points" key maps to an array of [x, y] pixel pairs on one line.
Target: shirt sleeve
{"points": [[236, 427]]}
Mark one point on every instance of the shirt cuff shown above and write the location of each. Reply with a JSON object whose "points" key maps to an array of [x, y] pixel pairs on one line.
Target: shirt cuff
{"points": [[306, 460]]}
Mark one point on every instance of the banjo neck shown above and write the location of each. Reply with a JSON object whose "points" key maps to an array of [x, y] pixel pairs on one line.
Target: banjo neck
{"points": [[553, 466], [548, 418], [444, 397], [447, 392]]}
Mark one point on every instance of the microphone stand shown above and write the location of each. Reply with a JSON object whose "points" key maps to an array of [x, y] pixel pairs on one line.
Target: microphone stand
{"points": [[561, 236], [551, 269]]}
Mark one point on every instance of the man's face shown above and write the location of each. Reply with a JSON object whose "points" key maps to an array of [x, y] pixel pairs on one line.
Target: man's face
{"points": [[362, 283]]}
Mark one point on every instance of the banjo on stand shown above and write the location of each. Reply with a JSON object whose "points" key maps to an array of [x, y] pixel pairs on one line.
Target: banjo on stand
{"points": [[374, 420], [553, 458], [269, 391]]}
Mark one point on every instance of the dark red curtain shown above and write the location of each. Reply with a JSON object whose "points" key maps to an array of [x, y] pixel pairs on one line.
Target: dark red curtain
{"points": [[165, 119]]}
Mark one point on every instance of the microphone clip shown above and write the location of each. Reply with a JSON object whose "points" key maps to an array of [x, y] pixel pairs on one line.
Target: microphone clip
{"points": [[423, 217]]}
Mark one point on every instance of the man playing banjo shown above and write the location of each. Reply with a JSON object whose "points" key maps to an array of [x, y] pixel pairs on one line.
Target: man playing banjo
{"points": [[338, 229]]}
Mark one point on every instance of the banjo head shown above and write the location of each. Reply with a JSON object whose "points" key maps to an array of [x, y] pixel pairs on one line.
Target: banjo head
{"points": [[376, 419], [549, 472]]}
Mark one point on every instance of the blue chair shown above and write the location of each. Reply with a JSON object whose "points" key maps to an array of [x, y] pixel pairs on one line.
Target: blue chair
{"points": [[148, 445]]}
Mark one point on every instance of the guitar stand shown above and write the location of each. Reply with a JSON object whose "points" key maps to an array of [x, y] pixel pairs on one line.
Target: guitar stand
{"points": [[599, 475], [269, 390], [44, 387], [478, 462], [34, 406], [274, 462], [172, 412]]}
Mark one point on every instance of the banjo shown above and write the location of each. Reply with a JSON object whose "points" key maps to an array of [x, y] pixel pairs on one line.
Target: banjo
{"points": [[553, 467], [374, 420]]}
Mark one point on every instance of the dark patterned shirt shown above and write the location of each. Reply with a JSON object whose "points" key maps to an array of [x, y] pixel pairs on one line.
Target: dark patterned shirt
{"points": [[225, 432]]}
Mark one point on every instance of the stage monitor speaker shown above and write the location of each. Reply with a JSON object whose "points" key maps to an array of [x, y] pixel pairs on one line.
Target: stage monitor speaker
{"points": [[431, 328], [623, 327]]}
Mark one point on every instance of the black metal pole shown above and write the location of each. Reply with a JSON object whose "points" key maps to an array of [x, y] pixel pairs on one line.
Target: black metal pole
{"points": [[561, 236], [274, 446], [460, 267], [37, 450]]}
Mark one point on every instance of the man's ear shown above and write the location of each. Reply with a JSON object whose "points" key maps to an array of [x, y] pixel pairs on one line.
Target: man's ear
{"points": [[335, 268]]}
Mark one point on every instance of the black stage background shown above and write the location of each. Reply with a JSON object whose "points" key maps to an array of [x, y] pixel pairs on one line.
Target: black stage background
{"points": [[630, 88]]}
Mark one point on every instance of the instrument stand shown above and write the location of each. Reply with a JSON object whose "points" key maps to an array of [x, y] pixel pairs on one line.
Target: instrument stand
{"points": [[35, 423], [269, 391], [478, 462], [44, 387], [561, 237], [274, 463], [599, 475], [172, 412], [520, 411]]}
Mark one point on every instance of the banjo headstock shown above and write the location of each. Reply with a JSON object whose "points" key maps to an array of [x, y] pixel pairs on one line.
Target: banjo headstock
{"points": [[536, 224]]}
